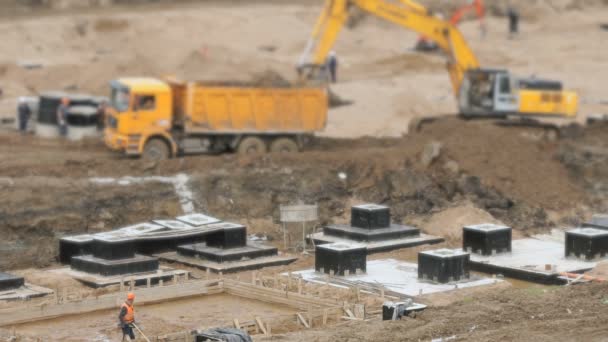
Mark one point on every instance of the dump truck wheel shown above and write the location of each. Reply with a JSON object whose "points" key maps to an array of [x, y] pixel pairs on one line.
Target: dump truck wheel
{"points": [[284, 145], [252, 146], [156, 149]]}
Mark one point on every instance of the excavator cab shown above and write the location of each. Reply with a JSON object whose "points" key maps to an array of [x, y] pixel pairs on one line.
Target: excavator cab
{"points": [[488, 92]]}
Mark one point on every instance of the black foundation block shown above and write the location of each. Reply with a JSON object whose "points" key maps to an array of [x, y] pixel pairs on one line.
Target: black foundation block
{"points": [[10, 282], [74, 246], [370, 216], [443, 265], [377, 234], [486, 239], [113, 248], [340, 257], [202, 251], [230, 235], [587, 243], [94, 265], [599, 221], [156, 245]]}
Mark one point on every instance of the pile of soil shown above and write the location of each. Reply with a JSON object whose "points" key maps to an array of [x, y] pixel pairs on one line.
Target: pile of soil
{"points": [[448, 223]]}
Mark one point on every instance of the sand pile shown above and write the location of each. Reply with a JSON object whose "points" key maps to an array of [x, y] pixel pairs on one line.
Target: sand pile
{"points": [[600, 270], [449, 222]]}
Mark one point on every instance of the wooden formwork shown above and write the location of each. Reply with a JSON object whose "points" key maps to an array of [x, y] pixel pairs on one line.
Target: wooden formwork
{"points": [[312, 311], [58, 307]]}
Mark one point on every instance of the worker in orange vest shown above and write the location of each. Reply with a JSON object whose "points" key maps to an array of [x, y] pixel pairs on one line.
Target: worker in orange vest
{"points": [[127, 317]]}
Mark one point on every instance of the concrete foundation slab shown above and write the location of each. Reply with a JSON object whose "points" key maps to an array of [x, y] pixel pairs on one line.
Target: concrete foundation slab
{"points": [[379, 246], [226, 267], [532, 260], [398, 276], [24, 292], [97, 281]]}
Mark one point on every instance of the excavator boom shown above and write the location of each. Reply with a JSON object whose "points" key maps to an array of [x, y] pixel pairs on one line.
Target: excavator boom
{"points": [[479, 92], [407, 14]]}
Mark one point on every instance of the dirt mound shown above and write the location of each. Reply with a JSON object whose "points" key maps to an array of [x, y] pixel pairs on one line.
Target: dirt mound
{"points": [[600, 270], [270, 78], [449, 222]]}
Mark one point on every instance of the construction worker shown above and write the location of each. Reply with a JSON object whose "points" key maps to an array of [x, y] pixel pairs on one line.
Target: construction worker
{"points": [[62, 114], [24, 114], [127, 317], [101, 115], [332, 66], [513, 15]]}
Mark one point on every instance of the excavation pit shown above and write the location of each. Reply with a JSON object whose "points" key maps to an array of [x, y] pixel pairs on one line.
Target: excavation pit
{"points": [[175, 310]]}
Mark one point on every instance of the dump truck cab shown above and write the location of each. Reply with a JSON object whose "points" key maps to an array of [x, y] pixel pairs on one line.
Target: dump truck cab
{"points": [[495, 92], [141, 110], [157, 119]]}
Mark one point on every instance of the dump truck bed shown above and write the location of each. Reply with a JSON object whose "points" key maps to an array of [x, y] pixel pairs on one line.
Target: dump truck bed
{"points": [[235, 108]]}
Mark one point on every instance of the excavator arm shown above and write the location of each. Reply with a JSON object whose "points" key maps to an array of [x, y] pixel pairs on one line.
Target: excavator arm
{"points": [[407, 14]]}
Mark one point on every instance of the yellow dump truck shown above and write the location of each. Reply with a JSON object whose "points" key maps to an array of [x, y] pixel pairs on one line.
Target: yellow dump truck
{"points": [[158, 119]]}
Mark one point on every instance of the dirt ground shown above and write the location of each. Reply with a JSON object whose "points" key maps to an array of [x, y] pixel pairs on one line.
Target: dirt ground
{"points": [[446, 173], [575, 313], [181, 315], [498, 173]]}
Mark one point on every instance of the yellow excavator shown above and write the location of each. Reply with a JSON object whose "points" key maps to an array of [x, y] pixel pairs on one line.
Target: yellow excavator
{"points": [[478, 91]]}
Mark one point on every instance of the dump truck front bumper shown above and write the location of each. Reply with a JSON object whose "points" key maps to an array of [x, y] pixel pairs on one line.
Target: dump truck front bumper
{"points": [[115, 141]]}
